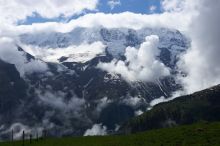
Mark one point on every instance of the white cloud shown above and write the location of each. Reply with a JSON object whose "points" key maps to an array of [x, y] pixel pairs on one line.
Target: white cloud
{"points": [[14, 10], [202, 61], [173, 5], [97, 129], [9, 53], [132, 101], [152, 8], [140, 64], [163, 99], [113, 3], [80, 53], [177, 20], [57, 100], [138, 112], [157, 101], [102, 103]]}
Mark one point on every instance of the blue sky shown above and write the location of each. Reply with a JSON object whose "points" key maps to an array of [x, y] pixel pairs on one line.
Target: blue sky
{"points": [[135, 6]]}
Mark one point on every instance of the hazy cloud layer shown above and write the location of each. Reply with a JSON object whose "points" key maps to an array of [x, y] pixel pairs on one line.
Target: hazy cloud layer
{"points": [[57, 100], [140, 64], [18, 129], [74, 53], [9, 53]]}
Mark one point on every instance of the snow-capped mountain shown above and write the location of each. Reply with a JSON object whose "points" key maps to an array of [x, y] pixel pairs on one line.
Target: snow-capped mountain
{"points": [[72, 93], [115, 40]]}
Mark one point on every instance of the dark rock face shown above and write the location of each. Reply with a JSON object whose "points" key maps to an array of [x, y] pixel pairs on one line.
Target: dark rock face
{"points": [[12, 91], [73, 96]]}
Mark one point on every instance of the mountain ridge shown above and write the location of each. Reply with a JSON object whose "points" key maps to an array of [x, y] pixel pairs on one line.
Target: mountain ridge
{"points": [[199, 106]]}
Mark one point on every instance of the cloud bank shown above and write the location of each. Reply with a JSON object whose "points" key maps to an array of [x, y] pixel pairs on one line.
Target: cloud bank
{"points": [[140, 64], [175, 20]]}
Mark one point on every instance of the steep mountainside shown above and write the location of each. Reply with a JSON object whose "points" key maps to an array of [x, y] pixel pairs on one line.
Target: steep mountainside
{"points": [[200, 106], [61, 89], [12, 91]]}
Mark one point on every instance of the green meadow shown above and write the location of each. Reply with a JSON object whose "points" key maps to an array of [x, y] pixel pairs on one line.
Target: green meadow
{"points": [[200, 134]]}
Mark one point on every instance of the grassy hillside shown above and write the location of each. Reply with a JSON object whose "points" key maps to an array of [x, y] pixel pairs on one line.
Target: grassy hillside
{"points": [[200, 106], [201, 134]]}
